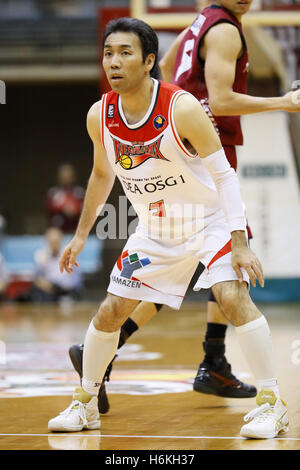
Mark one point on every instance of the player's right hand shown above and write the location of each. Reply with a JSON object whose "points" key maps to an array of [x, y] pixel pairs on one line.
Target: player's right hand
{"points": [[292, 101], [68, 258]]}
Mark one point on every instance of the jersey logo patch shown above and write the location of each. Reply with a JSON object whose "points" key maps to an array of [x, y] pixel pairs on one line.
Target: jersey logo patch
{"points": [[110, 110], [133, 155], [127, 264], [159, 122]]}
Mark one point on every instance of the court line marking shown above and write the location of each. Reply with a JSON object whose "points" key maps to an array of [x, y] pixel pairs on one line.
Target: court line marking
{"points": [[144, 437]]}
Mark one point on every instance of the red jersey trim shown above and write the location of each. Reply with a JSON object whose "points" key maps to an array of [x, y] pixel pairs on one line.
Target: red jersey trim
{"points": [[102, 118], [174, 131], [148, 116], [157, 290], [222, 252]]}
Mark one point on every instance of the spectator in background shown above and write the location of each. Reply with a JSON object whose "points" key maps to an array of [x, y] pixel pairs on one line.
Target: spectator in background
{"points": [[4, 278], [50, 285], [3, 224], [4, 273], [64, 201]]}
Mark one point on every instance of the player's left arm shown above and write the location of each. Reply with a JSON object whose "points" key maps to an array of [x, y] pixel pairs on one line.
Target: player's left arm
{"points": [[193, 124], [222, 47], [167, 63]]}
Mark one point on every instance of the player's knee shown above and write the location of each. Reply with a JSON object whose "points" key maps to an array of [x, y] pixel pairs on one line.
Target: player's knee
{"points": [[233, 299], [112, 312]]}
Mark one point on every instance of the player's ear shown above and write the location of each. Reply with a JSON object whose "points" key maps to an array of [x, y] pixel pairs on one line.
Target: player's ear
{"points": [[149, 62]]}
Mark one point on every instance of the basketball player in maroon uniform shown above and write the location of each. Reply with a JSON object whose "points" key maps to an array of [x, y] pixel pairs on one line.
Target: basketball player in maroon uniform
{"points": [[189, 71], [210, 60]]}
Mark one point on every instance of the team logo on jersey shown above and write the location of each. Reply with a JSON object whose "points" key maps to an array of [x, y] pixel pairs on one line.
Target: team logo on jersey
{"points": [[159, 122], [110, 110], [127, 264], [133, 155]]}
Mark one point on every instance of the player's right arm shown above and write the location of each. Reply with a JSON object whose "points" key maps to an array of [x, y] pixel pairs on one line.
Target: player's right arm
{"points": [[98, 189], [221, 49]]}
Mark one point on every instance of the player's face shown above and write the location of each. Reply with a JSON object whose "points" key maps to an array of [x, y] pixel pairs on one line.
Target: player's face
{"points": [[123, 61], [237, 7]]}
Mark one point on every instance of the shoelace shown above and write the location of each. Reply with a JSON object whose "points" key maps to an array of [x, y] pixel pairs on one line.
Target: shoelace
{"points": [[259, 411], [81, 410]]}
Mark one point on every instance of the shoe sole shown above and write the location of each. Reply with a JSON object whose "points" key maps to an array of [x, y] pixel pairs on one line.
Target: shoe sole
{"points": [[201, 388], [90, 426], [250, 435]]}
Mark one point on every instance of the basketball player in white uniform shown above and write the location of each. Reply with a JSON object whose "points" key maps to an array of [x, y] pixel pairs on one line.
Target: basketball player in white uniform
{"points": [[189, 208]]}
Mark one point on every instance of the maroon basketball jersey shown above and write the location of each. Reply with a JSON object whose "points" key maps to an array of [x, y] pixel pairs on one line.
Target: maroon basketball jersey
{"points": [[189, 70]]}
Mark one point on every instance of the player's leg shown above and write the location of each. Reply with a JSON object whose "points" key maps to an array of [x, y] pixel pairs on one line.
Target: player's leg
{"points": [[214, 374], [142, 313], [270, 418], [156, 267], [101, 343]]}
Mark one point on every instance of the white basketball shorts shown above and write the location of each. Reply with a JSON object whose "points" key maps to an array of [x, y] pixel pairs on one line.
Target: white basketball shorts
{"points": [[160, 272]]}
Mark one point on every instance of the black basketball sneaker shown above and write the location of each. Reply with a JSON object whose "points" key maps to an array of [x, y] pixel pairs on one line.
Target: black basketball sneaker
{"points": [[216, 378]]}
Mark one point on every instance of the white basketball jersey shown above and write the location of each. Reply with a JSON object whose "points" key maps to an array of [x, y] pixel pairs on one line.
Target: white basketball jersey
{"points": [[171, 191]]}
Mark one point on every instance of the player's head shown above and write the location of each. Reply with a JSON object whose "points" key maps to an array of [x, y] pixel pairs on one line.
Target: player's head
{"points": [[129, 45], [236, 7]]}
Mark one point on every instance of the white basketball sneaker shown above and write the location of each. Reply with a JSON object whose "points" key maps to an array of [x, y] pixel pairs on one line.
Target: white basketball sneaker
{"points": [[81, 414], [269, 419]]}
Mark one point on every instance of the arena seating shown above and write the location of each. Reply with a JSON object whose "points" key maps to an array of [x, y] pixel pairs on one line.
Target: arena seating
{"points": [[18, 252]]}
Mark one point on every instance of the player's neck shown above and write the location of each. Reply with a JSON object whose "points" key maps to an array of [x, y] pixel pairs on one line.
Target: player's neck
{"points": [[238, 17], [135, 103]]}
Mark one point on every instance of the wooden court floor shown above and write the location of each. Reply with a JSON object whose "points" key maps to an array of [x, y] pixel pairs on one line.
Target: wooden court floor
{"points": [[152, 403]]}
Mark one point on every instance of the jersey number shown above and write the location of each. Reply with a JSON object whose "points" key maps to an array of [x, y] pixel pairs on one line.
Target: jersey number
{"points": [[186, 59], [158, 207]]}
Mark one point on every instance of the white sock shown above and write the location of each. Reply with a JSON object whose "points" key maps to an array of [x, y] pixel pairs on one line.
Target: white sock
{"points": [[270, 384], [99, 349], [257, 347]]}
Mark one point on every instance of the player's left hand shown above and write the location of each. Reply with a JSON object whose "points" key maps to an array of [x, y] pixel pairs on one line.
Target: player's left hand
{"points": [[67, 260], [243, 257]]}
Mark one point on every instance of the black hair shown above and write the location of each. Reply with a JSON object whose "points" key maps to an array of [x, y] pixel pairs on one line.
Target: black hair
{"points": [[147, 36]]}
